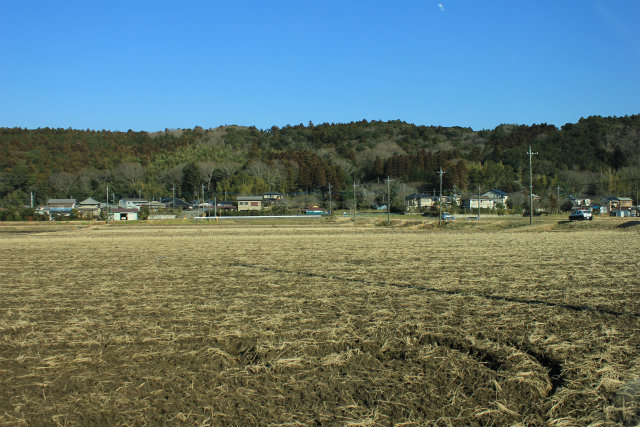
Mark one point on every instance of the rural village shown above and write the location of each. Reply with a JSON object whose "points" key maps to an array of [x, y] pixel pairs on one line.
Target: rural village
{"points": [[492, 202]]}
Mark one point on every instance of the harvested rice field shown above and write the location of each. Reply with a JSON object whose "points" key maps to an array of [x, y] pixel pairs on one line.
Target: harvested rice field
{"points": [[326, 324]]}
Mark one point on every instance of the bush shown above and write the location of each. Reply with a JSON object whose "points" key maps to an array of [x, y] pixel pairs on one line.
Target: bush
{"points": [[21, 214]]}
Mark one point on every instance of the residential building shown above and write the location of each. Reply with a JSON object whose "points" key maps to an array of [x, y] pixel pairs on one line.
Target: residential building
{"points": [[61, 206], [88, 208], [483, 201], [498, 196], [132, 203], [273, 196], [620, 203], [579, 202], [417, 201], [250, 203]]}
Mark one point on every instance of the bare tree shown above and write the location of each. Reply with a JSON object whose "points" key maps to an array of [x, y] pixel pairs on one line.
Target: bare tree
{"points": [[347, 167], [91, 179], [62, 182], [257, 168], [208, 170], [228, 168], [173, 177], [130, 173], [274, 176]]}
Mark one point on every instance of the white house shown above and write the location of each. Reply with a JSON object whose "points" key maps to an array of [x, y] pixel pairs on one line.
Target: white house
{"points": [[132, 203], [577, 202], [498, 196], [484, 202]]}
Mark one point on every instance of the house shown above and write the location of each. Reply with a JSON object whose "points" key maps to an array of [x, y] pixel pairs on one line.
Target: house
{"points": [[61, 206], [155, 205], [88, 208], [599, 209], [498, 196], [272, 196], [620, 213], [417, 201], [454, 199], [622, 203], [132, 203], [125, 214], [313, 210], [175, 203], [250, 203], [483, 201], [226, 206], [579, 202]]}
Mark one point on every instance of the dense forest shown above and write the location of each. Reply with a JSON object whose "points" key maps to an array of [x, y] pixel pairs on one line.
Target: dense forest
{"points": [[595, 156]]}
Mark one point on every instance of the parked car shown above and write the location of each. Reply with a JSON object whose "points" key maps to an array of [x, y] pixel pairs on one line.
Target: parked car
{"points": [[581, 215], [446, 216]]}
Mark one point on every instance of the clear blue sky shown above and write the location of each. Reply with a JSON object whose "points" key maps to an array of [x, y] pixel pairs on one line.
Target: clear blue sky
{"points": [[151, 65]]}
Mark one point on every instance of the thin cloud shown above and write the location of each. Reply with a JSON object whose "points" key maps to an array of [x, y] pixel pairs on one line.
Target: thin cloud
{"points": [[441, 6]]}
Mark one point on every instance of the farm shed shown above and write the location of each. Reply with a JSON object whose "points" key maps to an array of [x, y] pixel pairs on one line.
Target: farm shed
{"points": [[125, 214]]}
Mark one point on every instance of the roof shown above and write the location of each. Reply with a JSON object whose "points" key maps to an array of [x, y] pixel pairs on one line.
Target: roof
{"points": [[418, 196], [250, 198], [177, 202], [61, 201], [135, 200], [89, 201], [498, 192]]}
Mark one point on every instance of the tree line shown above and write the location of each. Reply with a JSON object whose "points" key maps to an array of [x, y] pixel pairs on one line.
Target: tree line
{"points": [[596, 155]]}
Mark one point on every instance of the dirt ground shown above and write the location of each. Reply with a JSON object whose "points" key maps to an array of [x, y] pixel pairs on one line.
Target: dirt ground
{"points": [[320, 324]]}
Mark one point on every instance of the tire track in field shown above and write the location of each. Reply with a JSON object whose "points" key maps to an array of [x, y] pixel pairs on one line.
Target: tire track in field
{"points": [[502, 298], [490, 359]]}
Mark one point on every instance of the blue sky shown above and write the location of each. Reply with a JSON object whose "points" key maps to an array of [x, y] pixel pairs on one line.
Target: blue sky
{"points": [[151, 65]]}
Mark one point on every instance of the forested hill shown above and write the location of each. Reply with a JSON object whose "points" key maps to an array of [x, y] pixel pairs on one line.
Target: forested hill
{"points": [[597, 155]]}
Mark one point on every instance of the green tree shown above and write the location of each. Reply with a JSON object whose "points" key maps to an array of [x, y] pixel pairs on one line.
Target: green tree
{"points": [[190, 179]]}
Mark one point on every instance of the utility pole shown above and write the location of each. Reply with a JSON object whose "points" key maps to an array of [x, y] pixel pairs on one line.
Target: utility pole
{"points": [[530, 153], [329, 199], [107, 203], [558, 199], [354, 201], [478, 203], [173, 198], [389, 200], [440, 172], [202, 199]]}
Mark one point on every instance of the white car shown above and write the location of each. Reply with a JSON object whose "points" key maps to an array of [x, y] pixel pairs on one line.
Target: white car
{"points": [[581, 215]]}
